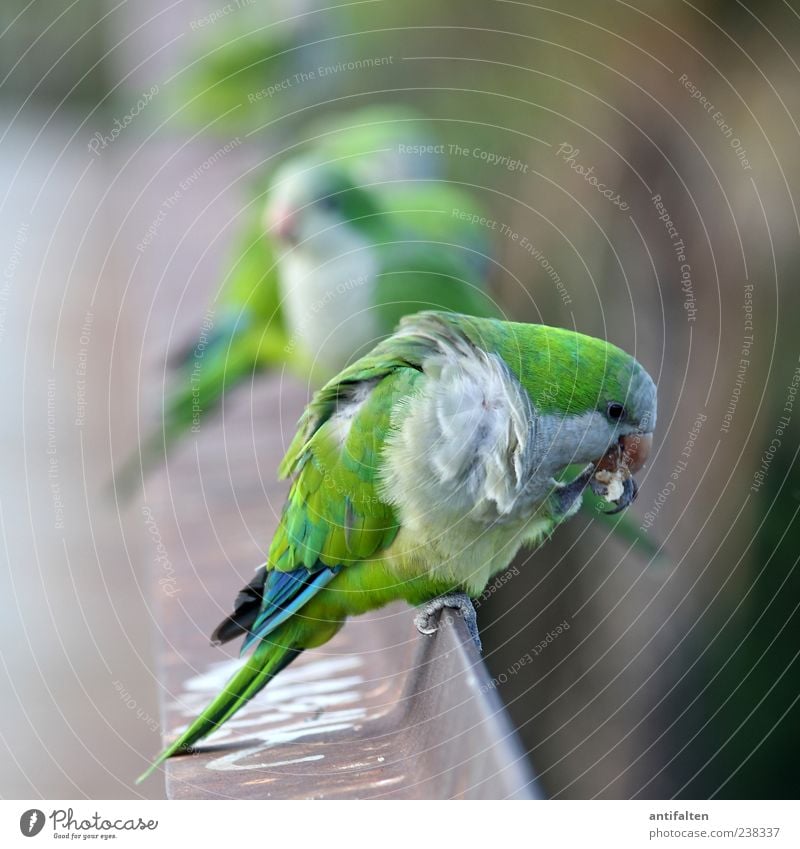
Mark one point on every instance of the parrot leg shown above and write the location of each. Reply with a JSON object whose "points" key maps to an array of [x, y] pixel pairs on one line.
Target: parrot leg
{"points": [[569, 494], [456, 601]]}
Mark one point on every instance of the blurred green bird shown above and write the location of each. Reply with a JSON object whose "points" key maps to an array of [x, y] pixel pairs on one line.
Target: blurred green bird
{"points": [[354, 235]]}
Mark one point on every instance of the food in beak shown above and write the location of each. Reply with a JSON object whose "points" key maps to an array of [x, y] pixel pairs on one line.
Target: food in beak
{"points": [[613, 479]]}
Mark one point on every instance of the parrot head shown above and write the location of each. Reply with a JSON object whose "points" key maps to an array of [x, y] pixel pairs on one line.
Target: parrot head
{"points": [[599, 406], [592, 402], [313, 204]]}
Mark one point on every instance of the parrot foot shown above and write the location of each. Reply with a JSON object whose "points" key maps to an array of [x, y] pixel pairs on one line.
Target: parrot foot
{"points": [[456, 601], [569, 494]]}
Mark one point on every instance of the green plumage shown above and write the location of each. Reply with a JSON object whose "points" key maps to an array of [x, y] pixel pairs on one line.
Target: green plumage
{"points": [[417, 252], [349, 541], [334, 514], [259, 668], [564, 372]]}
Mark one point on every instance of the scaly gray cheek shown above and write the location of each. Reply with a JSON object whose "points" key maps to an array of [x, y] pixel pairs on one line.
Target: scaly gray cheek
{"points": [[565, 441]]}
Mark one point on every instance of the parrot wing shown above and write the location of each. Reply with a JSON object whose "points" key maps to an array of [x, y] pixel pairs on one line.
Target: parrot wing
{"points": [[416, 277], [436, 253], [334, 514], [242, 332], [440, 212], [249, 299]]}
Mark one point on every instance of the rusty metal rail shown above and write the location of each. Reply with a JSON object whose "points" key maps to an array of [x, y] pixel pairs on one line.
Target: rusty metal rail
{"points": [[379, 712]]}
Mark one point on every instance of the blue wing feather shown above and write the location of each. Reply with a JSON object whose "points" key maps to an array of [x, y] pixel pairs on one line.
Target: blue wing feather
{"points": [[284, 594]]}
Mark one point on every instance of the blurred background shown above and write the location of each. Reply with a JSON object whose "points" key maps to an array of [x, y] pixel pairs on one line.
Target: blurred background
{"points": [[639, 183]]}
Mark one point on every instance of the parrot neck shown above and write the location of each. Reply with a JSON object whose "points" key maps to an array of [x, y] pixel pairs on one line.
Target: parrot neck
{"points": [[327, 304]]}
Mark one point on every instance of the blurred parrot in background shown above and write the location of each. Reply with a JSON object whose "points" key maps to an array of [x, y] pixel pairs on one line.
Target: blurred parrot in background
{"points": [[355, 234], [420, 470], [340, 223]]}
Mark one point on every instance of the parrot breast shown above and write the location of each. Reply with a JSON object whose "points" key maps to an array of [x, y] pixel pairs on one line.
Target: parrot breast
{"points": [[328, 303], [459, 466]]}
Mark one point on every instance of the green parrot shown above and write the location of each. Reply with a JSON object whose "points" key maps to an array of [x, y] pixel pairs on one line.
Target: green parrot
{"points": [[354, 260], [329, 249], [421, 469], [364, 149], [331, 267]]}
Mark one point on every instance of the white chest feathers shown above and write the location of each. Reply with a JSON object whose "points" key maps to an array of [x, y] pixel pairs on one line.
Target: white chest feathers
{"points": [[328, 301], [464, 448]]}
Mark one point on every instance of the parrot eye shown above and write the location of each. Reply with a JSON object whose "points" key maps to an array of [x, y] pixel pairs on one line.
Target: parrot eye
{"points": [[616, 411], [330, 202]]}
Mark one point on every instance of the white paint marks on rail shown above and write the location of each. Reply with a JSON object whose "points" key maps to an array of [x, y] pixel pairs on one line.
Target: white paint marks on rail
{"points": [[308, 699]]}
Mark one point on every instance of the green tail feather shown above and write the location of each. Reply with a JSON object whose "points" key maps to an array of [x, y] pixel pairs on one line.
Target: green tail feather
{"points": [[260, 668]]}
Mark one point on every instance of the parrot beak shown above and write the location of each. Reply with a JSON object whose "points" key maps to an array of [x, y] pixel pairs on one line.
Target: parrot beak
{"points": [[626, 456], [283, 223], [630, 451], [635, 450]]}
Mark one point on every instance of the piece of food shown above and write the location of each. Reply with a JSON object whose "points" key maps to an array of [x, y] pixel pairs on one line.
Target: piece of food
{"points": [[613, 479], [614, 482]]}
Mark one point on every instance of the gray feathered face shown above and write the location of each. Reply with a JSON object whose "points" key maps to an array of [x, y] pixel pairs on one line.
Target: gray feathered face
{"points": [[310, 203], [624, 416], [635, 410]]}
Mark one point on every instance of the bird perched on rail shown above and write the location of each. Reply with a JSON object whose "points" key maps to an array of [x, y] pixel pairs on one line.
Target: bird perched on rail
{"points": [[420, 470]]}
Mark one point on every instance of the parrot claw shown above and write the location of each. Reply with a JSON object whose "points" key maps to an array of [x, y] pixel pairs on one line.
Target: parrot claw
{"points": [[629, 492], [456, 601]]}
